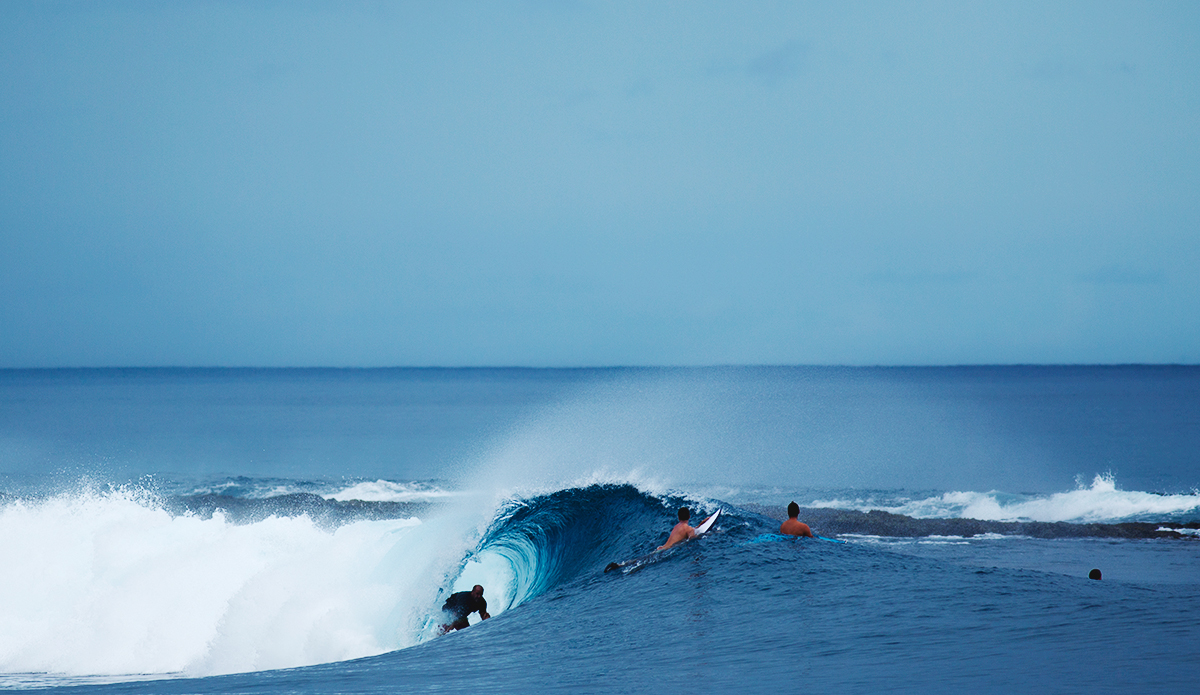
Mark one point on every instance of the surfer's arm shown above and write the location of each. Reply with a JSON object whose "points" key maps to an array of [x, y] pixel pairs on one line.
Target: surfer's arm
{"points": [[678, 536], [671, 540]]}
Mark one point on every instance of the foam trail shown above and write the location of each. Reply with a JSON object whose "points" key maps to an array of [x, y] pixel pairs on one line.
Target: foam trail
{"points": [[112, 584]]}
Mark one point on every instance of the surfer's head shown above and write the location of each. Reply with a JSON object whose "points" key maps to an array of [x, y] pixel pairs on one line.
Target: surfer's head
{"points": [[477, 590], [793, 510], [1094, 574], [684, 514]]}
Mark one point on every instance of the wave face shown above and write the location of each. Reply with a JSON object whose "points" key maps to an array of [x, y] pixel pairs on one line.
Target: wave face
{"points": [[551, 539]]}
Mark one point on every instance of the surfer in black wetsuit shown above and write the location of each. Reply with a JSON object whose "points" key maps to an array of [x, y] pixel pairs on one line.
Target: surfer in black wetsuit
{"points": [[462, 604]]}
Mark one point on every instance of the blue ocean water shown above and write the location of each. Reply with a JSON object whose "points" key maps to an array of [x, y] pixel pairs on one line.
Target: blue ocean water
{"points": [[229, 530]]}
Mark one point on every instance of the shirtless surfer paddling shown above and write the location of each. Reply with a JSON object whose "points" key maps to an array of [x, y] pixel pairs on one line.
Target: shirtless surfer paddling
{"points": [[793, 526], [683, 531]]}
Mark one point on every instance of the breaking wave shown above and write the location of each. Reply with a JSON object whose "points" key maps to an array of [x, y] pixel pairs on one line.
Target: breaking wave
{"points": [[1099, 502]]}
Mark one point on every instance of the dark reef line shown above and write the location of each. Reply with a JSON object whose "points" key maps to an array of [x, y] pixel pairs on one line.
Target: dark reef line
{"points": [[879, 523]]}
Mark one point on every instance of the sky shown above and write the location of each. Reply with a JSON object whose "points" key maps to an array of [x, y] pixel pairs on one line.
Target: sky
{"points": [[592, 184]]}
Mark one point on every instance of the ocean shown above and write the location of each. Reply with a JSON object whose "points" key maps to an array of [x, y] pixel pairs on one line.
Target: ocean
{"points": [[297, 530]]}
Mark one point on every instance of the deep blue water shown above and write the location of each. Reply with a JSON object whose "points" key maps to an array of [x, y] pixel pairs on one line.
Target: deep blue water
{"points": [[295, 530]]}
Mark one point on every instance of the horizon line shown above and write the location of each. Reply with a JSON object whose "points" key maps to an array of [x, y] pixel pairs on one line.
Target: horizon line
{"points": [[731, 365]]}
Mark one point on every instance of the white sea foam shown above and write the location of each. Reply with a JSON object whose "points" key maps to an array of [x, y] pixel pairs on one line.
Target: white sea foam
{"points": [[1099, 502], [110, 583], [388, 491]]}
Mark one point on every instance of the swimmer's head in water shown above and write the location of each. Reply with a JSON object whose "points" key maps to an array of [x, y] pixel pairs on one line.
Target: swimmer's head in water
{"points": [[1094, 574], [684, 514], [793, 509]]}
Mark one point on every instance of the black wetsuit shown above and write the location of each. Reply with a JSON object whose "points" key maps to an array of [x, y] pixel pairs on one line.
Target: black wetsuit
{"points": [[459, 606]]}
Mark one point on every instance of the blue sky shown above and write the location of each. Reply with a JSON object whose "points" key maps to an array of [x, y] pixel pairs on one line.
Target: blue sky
{"points": [[573, 184]]}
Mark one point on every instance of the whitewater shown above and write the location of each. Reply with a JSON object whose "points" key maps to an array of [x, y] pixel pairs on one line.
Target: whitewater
{"points": [[297, 530]]}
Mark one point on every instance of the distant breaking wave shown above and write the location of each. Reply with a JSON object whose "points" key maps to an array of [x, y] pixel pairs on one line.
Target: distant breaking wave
{"points": [[362, 490], [1101, 502], [388, 491]]}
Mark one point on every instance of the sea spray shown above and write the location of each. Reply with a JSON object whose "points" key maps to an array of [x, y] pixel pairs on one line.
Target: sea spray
{"points": [[111, 583]]}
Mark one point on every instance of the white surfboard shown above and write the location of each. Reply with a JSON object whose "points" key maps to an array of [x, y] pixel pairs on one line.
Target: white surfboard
{"points": [[707, 523]]}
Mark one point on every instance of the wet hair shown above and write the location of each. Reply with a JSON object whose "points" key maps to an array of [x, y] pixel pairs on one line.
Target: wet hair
{"points": [[477, 587], [1094, 574], [684, 514], [793, 509]]}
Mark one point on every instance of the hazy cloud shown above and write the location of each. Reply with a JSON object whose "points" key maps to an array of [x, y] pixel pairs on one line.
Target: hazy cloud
{"points": [[778, 63], [1122, 275], [920, 277]]}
